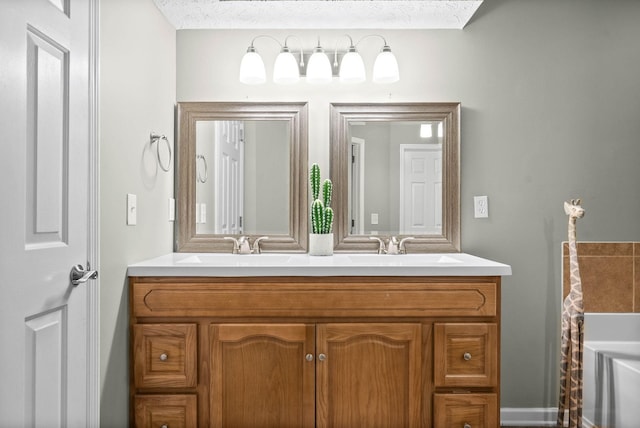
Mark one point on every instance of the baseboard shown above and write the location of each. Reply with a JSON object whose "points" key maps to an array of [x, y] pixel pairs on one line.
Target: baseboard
{"points": [[529, 416], [535, 416]]}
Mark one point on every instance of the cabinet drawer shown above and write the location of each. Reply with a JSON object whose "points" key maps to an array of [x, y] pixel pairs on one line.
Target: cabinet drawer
{"points": [[466, 355], [165, 355], [465, 411], [166, 411]]}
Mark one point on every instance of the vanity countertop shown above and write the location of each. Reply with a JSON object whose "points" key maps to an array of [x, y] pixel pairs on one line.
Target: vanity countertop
{"points": [[296, 264]]}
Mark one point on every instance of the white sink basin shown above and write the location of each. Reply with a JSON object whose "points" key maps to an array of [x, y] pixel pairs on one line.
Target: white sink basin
{"points": [[214, 259], [404, 259]]}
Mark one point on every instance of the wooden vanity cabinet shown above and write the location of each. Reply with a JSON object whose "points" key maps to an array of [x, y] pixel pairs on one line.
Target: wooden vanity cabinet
{"points": [[315, 352]]}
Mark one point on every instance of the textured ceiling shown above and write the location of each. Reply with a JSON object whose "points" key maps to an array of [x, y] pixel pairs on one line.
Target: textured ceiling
{"points": [[314, 14]]}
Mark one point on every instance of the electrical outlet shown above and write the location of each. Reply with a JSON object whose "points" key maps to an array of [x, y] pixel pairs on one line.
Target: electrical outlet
{"points": [[374, 218], [480, 207]]}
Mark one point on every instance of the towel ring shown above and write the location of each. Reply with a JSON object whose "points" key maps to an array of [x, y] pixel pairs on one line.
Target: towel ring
{"points": [[202, 178], [154, 138]]}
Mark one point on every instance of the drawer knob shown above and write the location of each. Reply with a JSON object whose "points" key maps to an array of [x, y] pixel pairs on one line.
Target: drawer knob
{"points": [[467, 426], [164, 357], [322, 357], [167, 426], [467, 357], [309, 357]]}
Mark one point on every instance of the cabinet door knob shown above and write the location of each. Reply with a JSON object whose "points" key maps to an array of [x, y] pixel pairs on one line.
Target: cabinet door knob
{"points": [[164, 357], [322, 357], [467, 357], [167, 426], [467, 426], [309, 357]]}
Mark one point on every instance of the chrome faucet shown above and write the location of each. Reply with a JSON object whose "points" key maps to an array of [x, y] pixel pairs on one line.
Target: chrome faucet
{"points": [[401, 247], [256, 245], [381, 249], [241, 245], [392, 246]]}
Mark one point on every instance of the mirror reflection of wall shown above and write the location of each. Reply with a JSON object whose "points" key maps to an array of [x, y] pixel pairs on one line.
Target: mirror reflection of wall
{"points": [[247, 185], [395, 177]]}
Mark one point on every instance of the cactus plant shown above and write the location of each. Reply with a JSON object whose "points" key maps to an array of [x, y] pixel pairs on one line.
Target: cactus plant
{"points": [[327, 190], [317, 216], [328, 220], [321, 211], [314, 179]]}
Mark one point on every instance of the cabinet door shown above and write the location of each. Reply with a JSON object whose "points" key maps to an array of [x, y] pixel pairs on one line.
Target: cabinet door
{"points": [[369, 375], [262, 375]]}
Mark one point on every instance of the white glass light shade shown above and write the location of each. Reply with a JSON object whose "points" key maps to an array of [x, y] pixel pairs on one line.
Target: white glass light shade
{"points": [[252, 70], [426, 131], [285, 69], [319, 67], [385, 69], [352, 68]]}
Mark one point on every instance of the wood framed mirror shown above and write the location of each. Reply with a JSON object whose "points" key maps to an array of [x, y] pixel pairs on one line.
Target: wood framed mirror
{"points": [[396, 172], [241, 170]]}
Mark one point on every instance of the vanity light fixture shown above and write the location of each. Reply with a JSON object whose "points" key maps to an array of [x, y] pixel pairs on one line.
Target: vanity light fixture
{"points": [[252, 70], [425, 130], [285, 69], [352, 65], [319, 70]]}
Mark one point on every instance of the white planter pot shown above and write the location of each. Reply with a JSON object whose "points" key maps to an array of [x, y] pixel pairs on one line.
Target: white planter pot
{"points": [[321, 244]]}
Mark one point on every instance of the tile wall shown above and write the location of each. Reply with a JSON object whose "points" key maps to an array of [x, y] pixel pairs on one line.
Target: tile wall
{"points": [[610, 274]]}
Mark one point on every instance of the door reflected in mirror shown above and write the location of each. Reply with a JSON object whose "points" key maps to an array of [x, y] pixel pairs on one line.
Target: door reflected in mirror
{"points": [[242, 169], [395, 178], [395, 169]]}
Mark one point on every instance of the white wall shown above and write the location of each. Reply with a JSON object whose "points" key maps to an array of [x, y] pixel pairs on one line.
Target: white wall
{"points": [[550, 111], [137, 96]]}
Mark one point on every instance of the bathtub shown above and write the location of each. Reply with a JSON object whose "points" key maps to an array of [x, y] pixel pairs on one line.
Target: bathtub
{"points": [[611, 376]]}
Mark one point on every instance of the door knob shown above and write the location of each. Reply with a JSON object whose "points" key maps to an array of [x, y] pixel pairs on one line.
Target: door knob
{"points": [[322, 357], [80, 275]]}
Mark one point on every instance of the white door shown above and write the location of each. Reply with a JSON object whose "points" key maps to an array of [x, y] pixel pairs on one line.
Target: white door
{"points": [[420, 189], [45, 116], [356, 184], [229, 158]]}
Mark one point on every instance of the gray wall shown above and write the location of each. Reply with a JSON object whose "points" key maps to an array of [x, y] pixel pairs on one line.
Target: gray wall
{"points": [[550, 111], [137, 96]]}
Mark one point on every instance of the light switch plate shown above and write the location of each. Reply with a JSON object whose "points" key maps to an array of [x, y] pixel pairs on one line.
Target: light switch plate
{"points": [[203, 213], [132, 210], [374, 218], [172, 209]]}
